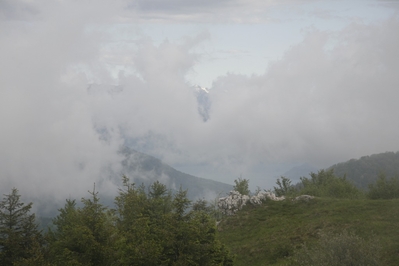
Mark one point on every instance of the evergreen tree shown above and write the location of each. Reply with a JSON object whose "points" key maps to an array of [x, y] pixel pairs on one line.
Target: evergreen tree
{"points": [[139, 225], [159, 201], [201, 205], [158, 229], [180, 204], [20, 239], [82, 236]]}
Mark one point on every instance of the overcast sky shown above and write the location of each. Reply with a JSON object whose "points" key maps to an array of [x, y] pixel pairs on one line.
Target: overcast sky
{"points": [[290, 82]]}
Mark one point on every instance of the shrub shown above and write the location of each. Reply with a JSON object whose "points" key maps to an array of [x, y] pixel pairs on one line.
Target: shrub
{"points": [[326, 184], [284, 187], [339, 250], [241, 185], [384, 188]]}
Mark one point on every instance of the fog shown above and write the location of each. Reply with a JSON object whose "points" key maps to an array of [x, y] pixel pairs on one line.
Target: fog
{"points": [[80, 79]]}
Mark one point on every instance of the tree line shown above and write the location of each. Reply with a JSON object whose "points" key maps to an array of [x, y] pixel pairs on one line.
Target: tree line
{"points": [[146, 227], [363, 171], [327, 184]]}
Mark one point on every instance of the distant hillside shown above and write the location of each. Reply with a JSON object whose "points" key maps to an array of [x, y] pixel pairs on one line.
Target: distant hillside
{"points": [[142, 168], [365, 170]]}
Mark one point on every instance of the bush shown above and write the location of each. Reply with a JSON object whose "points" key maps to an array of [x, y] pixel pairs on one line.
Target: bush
{"points": [[284, 187], [384, 188], [340, 250], [326, 184], [241, 186]]}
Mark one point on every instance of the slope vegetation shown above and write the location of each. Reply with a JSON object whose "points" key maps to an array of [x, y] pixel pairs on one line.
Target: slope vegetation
{"points": [[270, 234], [365, 170]]}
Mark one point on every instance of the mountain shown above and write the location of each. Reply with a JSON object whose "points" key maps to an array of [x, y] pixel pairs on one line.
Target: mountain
{"points": [[203, 101], [145, 169], [141, 169], [365, 170]]}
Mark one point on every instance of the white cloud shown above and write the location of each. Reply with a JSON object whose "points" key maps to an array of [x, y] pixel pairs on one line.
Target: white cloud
{"points": [[319, 104], [331, 97], [47, 141]]}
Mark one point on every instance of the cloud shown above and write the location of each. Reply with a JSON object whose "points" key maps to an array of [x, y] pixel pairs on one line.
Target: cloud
{"points": [[17, 10], [317, 103], [236, 11], [66, 108], [330, 98], [48, 143], [63, 117]]}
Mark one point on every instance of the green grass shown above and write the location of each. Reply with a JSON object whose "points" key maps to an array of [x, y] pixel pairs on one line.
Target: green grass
{"points": [[270, 234]]}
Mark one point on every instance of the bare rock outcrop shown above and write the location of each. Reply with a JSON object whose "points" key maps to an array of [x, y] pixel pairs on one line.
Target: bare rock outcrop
{"points": [[232, 203], [235, 201], [303, 198]]}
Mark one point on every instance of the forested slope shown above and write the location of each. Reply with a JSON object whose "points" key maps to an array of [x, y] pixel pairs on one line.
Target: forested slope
{"points": [[365, 170]]}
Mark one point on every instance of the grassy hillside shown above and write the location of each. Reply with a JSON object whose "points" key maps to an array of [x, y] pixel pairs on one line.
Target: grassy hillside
{"points": [[270, 234]]}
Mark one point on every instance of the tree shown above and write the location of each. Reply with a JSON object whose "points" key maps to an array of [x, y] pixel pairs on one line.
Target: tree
{"points": [[20, 239], [284, 187], [83, 236], [180, 204], [159, 229], [326, 184], [201, 205], [241, 186], [159, 200], [384, 188], [141, 224]]}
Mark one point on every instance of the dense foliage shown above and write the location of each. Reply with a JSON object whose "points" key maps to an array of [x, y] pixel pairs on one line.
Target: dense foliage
{"points": [[322, 184], [20, 239], [384, 188], [366, 170], [150, 227], [242, 186], [284, 187], [326, 184]]}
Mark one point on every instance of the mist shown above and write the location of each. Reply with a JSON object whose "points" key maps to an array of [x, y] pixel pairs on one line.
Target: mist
{"points": [[81, 80]]}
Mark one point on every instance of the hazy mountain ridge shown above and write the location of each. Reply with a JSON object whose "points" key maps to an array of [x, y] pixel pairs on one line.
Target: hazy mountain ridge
{"points": [[146, 169], [365, 170], [203, 101], [303, 170]]}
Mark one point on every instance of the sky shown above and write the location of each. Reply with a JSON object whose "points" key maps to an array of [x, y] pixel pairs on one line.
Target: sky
{"points": [[290, 82]]}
